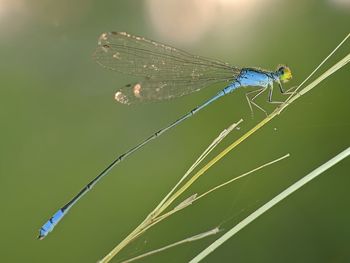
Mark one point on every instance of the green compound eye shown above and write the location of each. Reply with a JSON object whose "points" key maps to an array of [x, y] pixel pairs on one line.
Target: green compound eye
{"points": [[285, 73]]}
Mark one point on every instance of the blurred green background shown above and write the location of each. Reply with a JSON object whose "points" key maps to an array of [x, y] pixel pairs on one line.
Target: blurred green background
{"points": [[60, 127]]}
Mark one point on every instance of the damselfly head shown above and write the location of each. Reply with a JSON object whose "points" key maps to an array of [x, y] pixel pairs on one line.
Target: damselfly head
{"points": [[284, 73]]}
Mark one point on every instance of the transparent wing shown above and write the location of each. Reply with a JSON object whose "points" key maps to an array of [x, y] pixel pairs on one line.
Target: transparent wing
{"points": [[168, 72], [152, 90]]}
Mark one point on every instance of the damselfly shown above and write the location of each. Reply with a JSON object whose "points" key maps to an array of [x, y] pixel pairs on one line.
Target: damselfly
{"points": [[167, 73]]}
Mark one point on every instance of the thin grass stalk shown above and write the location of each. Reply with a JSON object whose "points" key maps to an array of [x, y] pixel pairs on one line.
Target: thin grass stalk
{"points": [[194, 198], [211, 232]]}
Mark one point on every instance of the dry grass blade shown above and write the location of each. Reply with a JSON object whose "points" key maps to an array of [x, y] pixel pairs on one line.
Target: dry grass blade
{"points": [[186, 240], [195, 197]]}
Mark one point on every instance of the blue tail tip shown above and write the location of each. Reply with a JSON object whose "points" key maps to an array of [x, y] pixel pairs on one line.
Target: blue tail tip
{"points": [[50, 224], [42, 234]]}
